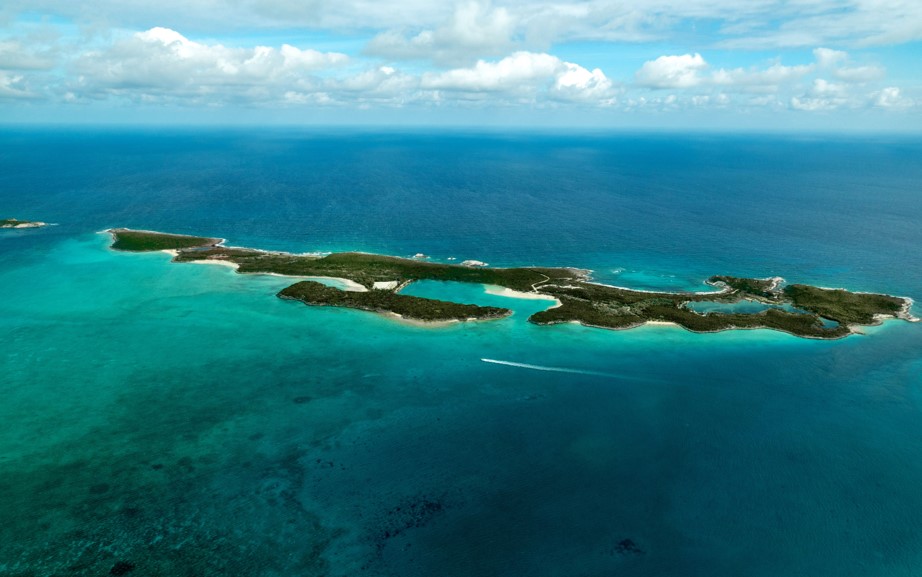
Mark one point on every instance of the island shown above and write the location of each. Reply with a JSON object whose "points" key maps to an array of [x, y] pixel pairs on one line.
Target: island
{"points": [[16, 223], [373, 283]]}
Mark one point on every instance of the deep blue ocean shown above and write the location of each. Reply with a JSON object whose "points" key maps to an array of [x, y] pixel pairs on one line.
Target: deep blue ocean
{"points": [[159, 419]]}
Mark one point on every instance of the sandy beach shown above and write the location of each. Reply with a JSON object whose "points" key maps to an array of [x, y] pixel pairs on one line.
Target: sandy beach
{"points": [[723, 290], [216, 261], [419, 323], [348, 285], [508, 292]]}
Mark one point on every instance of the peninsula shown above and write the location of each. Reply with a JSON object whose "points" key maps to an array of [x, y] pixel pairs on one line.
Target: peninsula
{"points": [[376, 282], [15, 223]]}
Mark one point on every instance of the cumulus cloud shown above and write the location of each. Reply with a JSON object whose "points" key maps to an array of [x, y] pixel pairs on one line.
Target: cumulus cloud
{"points": [[579, 84], [836, 62], [518, 71], [753, 24], [691, 71], [20, 54], [829, 58], [475, 29], [891, 98], [162, 65], [525, 75], [831, 81], [13, 86], [672, 71], [756, 24], [822, 95], [161, 62], [769, 79]]}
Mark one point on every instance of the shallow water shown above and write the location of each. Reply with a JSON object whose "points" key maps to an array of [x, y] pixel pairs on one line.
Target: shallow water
{"points": [[182, 419]]}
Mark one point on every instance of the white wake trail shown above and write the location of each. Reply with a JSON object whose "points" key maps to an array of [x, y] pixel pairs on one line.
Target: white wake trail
{"points": [[552, 369]]}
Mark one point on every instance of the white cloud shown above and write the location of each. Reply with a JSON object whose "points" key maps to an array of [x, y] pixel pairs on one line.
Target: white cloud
{"points": [[26, 54], [525, 75], [770, 79], [823, 95], [827, 89], [160, 65], [13, 86], [830, 82], [475, 29], [672, 71], [892, 98], [808, 104], [161, 62], [859, 74], [689, 72], [383, 85], [756, 24], [836, 62], [578, 83], [779, 24], [829, 58], [519, 71]]}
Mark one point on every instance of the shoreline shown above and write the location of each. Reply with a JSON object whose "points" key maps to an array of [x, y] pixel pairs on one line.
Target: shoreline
{"points": [[435, 324], [348, 285], [400, 318], [353, 286], [499, 291], [723, 290], [776, 280], [214, 261], [113, 231], [16, 224], [596, 303], [853, 330]]}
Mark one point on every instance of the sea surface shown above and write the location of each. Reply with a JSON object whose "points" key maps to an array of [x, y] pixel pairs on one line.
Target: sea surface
{"points": [[161, 419]]}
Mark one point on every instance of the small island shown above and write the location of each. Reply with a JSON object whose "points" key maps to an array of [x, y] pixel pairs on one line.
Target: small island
{"points": [[148, 241], [16, 223], [376, 281]]}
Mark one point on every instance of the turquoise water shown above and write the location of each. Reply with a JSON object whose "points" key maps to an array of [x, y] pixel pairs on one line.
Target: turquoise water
{"points": [[742, 306], [749, 307], [183, 420]]}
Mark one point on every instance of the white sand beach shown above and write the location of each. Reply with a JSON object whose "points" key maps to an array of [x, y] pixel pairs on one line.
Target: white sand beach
{"points": [[347, 285], [216, 261], [508, 292]]}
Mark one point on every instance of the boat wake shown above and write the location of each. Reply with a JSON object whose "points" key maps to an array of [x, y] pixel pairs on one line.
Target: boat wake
{"points": [[553, 369]]}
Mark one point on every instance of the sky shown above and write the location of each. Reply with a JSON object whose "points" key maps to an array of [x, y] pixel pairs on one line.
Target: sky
{"points": [[780, 65]]}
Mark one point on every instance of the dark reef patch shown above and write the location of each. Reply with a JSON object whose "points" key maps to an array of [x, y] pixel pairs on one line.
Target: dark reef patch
{"points": [[628, 547], [121, 568], [412, 513]]}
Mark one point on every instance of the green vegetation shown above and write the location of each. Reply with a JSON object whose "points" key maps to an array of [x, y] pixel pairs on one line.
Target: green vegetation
{"points": [[612, 307], [623, 315], [16, 223], [144, 241], [366, 269], [385, 301], [760, 288], [581, 301], [843, 306]]}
